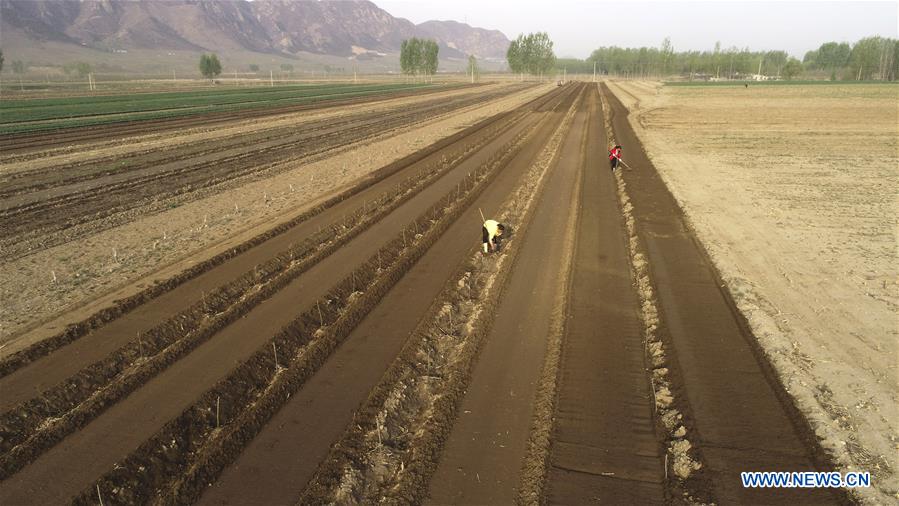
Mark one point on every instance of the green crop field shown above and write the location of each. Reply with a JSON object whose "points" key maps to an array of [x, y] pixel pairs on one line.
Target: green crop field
{"points": [[20, 116]]}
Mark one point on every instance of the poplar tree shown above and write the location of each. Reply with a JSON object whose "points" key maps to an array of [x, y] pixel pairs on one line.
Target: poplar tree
{"points": [[531, 53], [210, 66], [473, 70], [419, 57]]}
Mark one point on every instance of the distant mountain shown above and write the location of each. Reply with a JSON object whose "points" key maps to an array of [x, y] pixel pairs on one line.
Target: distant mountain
{"points": [[284, 27], [466, 39]]}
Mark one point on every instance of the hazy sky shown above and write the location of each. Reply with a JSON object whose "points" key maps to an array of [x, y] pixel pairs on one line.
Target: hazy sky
{"points": [[579, 26]]}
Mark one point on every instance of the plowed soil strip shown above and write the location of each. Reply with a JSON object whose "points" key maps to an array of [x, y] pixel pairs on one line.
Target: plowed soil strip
{"points": [[743, 418], [483, 455], [604, 447], [284, 456], [106, 440]]}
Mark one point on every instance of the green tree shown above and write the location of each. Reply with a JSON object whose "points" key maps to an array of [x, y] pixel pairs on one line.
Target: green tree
{"points": [[286, 67], [833, 56], [1, 60], [254, 67], [775, 61], [575, 66], [543, 57], [431, 58], [531, 53], [473, 70], [864, 60], [18, 67], [886, 59], [210, 66], [810, 60], [869, 58], [515, 55], [405, 57], [419, 56], [791, 69], [717, 59], [411, 56], [416, 57], [894, 70], [667, 53]]}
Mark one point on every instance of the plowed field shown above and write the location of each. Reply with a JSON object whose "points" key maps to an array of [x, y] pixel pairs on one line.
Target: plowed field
{"points": [[365, 350]]}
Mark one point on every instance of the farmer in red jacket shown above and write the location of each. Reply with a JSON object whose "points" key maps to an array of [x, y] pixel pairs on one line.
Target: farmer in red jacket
{"points": [[615, 157]]}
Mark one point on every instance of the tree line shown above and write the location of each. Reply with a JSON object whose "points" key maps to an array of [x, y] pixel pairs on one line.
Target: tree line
{"points": [[419, 56], [869, 58]]}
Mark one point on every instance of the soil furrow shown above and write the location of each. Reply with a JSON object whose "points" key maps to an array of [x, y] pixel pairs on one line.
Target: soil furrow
{"points": [[48, 173], [685, 472], [203, 458], [604, 445], [260, 385], [137, 361]]}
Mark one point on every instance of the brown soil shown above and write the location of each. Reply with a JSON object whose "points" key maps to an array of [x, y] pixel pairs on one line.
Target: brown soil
{"points": [[361, 351], [88, 197]]}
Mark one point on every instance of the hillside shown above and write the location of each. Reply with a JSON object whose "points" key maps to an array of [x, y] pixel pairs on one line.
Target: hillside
{"points": [[354, 29]]}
